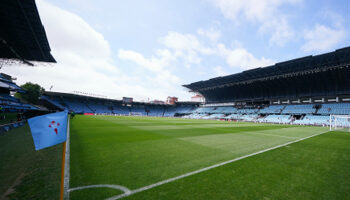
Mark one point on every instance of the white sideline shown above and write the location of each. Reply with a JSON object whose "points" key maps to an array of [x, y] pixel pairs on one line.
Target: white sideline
{"points": [[207, 168], [66, 166]]}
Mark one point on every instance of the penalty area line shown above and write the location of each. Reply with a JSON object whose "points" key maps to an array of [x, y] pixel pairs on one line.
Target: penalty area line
{"points": [[207, 168]]}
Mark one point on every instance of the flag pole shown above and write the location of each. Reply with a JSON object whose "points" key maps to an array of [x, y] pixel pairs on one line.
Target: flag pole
{"points": [[62, 170]]}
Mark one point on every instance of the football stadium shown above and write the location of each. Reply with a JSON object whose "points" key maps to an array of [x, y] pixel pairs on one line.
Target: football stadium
{"points": [[278, 131]]}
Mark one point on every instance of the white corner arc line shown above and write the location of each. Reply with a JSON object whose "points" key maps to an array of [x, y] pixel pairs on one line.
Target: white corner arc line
{"points": [[66, 165], [118, 187], [208, 168]]}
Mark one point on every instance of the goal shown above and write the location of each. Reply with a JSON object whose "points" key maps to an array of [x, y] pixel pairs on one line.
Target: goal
{"points": [[339, 122]]}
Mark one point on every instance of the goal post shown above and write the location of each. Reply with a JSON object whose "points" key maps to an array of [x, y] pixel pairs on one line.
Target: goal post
{"points": [[339, 123]]}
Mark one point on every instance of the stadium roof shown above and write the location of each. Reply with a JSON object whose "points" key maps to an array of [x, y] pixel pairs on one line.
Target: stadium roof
{"points": [[22, 35], [262, 79]]}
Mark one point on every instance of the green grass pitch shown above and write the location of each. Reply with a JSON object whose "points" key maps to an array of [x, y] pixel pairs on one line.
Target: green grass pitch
{"points": [[135, 152]]}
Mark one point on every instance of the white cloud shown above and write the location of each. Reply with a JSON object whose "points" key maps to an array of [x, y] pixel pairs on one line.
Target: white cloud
{"points": [[158, 65], [256, 10], [264, 12], [152, 64], [332, 17], [68, 31], [189, 48], [178, 41], [282, 32], [241, 58], [186, 47], [211, 33], [322, 38], [219, 71]]}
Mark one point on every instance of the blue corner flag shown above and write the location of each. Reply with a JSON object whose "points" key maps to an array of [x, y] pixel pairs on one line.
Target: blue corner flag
{"points": [[48, 130]]}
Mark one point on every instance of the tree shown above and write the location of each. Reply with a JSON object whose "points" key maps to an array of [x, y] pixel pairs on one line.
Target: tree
{"points": [[32, 92]]}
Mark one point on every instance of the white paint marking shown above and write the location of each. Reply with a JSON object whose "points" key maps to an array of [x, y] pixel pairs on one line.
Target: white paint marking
{"points": [[274, 135], [118, 187], [207, 168], [66, 165]]}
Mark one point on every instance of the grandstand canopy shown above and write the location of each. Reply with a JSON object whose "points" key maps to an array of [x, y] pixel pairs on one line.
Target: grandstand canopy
{"points": [[22, 35], [322, 75]]}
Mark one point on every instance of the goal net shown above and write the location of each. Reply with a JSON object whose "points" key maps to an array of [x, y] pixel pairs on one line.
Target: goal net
{"points": [[339, 122]]}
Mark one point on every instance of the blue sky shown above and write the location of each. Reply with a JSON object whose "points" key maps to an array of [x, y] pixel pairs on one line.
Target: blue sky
{"points": [[148, 49]]}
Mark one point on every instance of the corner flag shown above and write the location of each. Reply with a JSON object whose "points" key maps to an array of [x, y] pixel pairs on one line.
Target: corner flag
{"points": [[48, 130]]}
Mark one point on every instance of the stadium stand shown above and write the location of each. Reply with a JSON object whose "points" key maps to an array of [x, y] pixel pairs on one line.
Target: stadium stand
{"points": [[322, 120], [11, 108], [249, 117], [299, 109], [9, 103], [155, 110], [229, 109], [186, 107], [280, 119], [85, 104], [272, 114], [308, 114], [138, 109], [205, 109], [234, 117], [247, 110], [273, 109], [335, 108], [304, 91], [169, 111]]}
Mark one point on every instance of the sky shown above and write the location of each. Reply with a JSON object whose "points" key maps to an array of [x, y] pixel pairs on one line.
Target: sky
{"points": [[148, 49]]}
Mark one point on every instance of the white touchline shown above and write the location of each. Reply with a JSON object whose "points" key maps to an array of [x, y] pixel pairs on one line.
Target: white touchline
{"points": [[206, 168], [66, 166]]}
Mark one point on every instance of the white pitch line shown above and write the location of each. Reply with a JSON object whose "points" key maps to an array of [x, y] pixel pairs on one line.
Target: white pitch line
{"points": [[118, 187], [274, 135], [207, 168], [66, 165]]}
